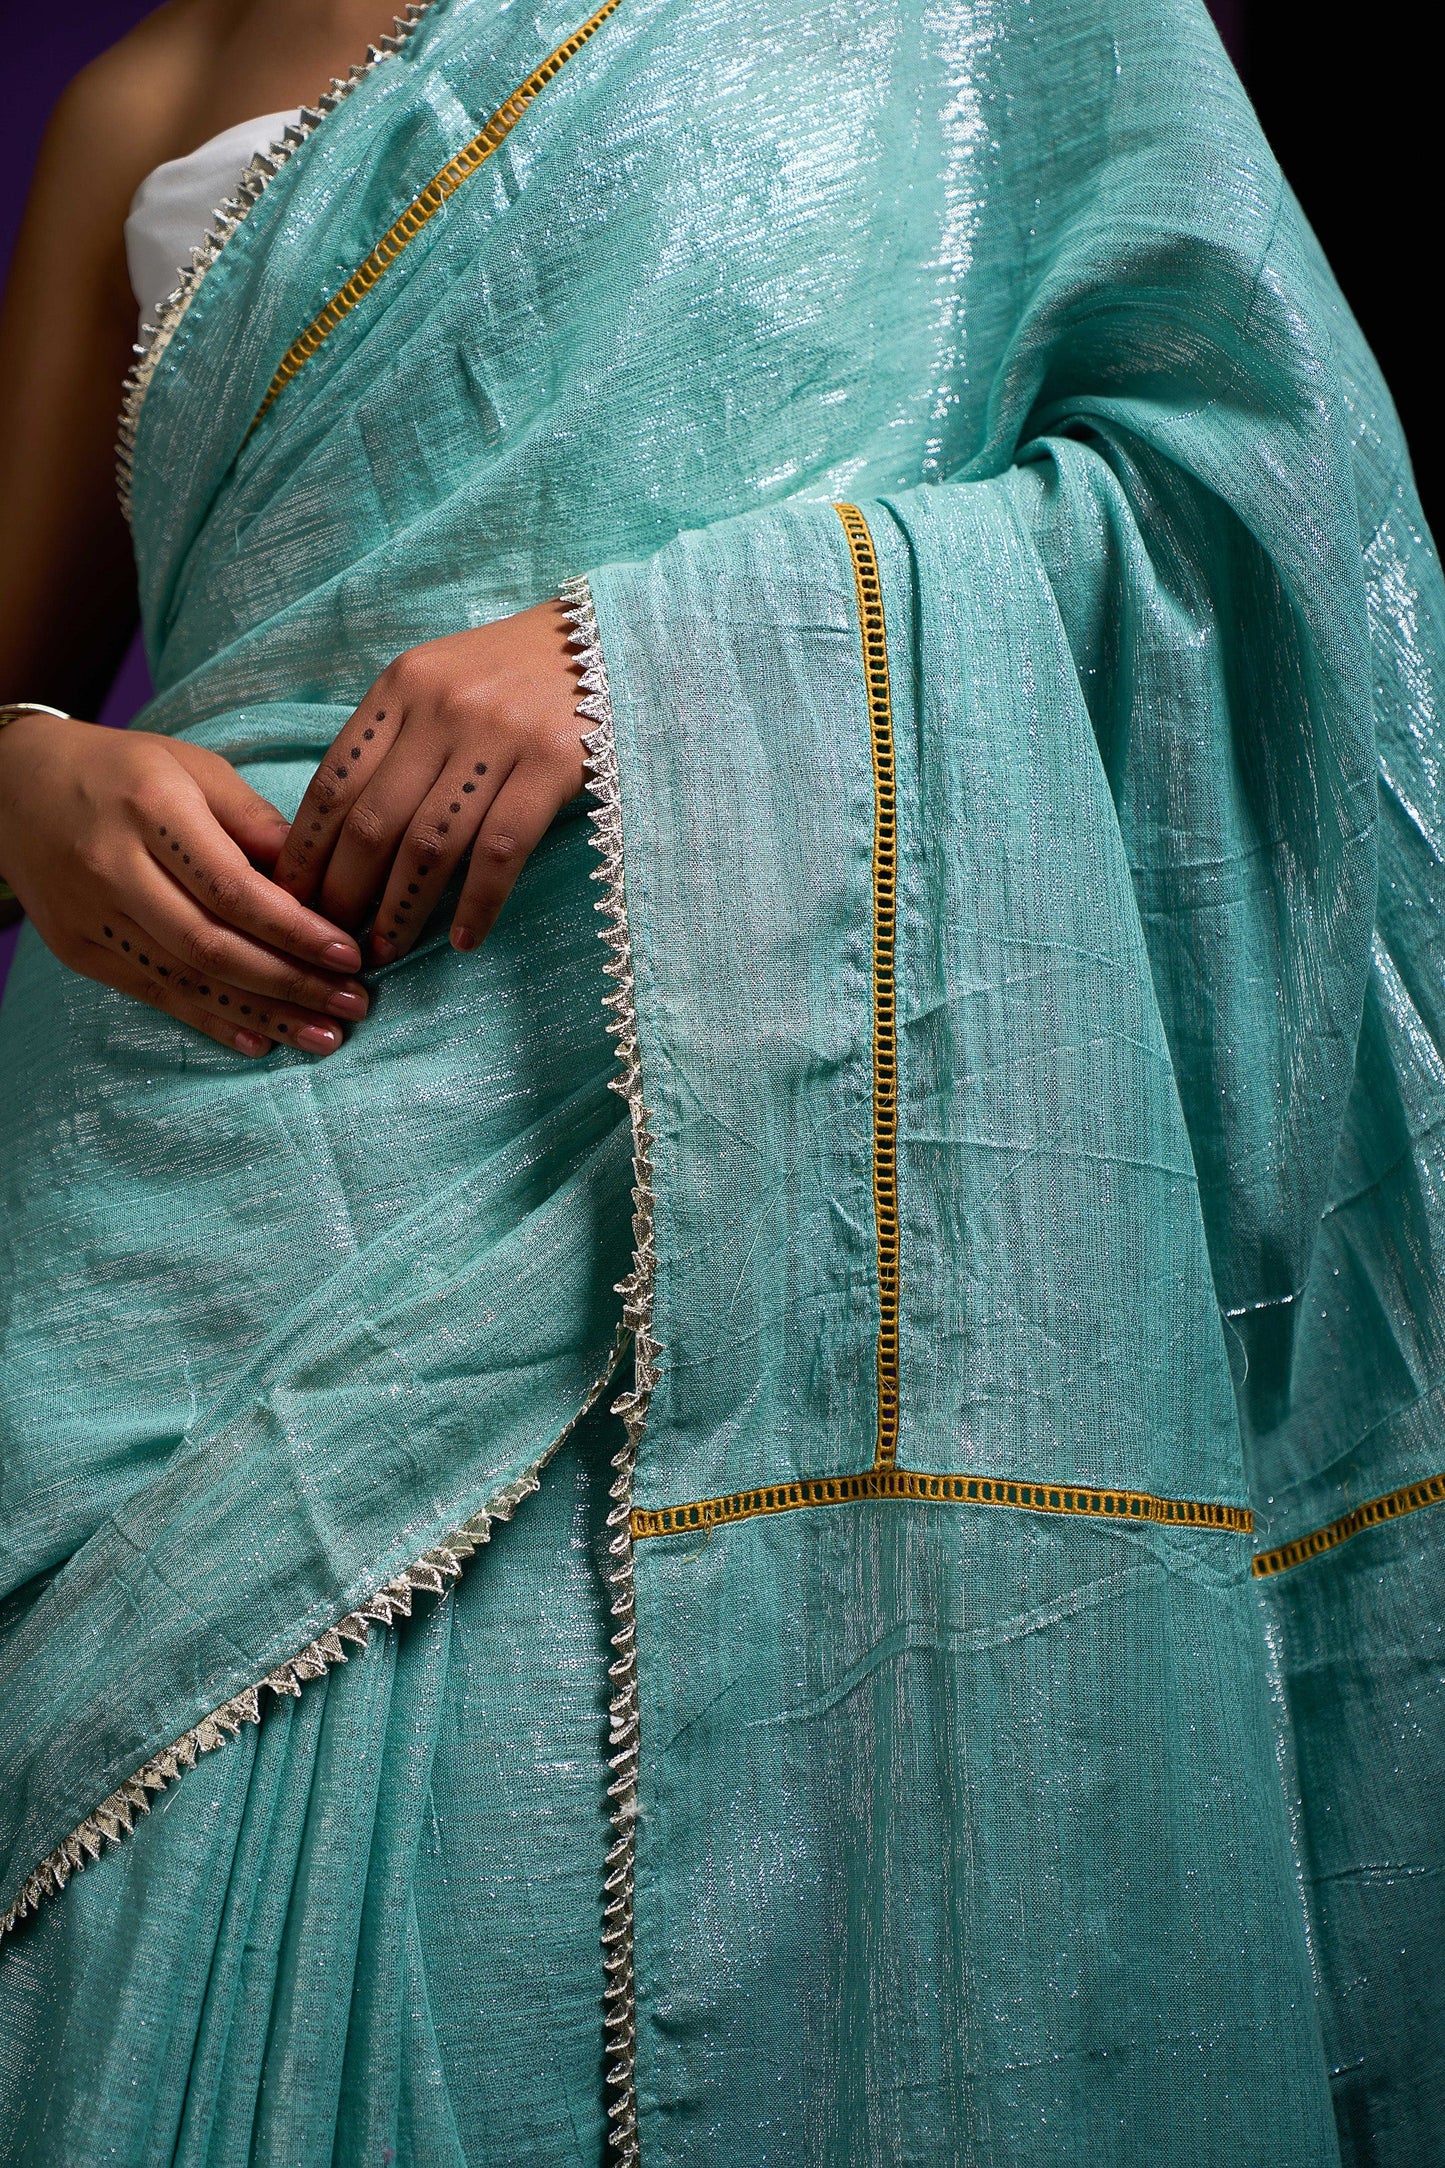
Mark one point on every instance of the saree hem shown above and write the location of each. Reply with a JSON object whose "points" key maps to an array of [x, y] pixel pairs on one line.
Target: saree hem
{"points": [[637, 1290], [429, 1574], [114, 1818]]}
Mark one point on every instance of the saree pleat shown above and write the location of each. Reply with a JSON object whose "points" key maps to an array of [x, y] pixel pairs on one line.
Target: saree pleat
{"points": [[347, 1252], [1015, 655], [369, 1932]]}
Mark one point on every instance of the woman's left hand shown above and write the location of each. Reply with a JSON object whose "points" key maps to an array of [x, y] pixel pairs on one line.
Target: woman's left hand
{"points": [[471, 743]]}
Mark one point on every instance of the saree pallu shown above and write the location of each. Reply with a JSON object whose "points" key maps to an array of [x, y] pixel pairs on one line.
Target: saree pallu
{"points": [[1014, 654]]}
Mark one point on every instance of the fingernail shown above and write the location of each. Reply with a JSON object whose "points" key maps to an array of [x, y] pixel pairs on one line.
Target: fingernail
{"points": [[347, 1003], [463, 938], [318, 1038], [344, 955], [382, 949], [251, 1042]]}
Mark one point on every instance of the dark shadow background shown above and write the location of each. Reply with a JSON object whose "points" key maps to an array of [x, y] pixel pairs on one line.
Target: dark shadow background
{"points": [[1352, 116]]}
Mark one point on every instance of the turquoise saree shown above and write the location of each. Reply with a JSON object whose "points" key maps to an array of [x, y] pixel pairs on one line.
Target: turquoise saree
{"points": [[793, 1512]]}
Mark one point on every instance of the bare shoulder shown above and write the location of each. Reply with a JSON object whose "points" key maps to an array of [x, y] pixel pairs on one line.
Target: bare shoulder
{"points": [[123, 114], [67, 286], [186, 71]]}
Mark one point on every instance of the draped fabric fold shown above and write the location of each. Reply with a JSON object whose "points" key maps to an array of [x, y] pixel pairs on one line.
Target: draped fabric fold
{"points": [[1018, 653], [370, 1923]]}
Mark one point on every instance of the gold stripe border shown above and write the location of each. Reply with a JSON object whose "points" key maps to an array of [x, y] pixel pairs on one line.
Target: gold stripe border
{"points": [[908, 1483], [424, 207], [873, 629], [1409, 1498]]}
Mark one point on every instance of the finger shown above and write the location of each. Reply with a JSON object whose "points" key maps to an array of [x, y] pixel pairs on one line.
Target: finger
{"points": [[208, 946], [251, 821], [445, 825], [127, 958], [347, 766], [518, 818], [370, 836], [220, 886]]}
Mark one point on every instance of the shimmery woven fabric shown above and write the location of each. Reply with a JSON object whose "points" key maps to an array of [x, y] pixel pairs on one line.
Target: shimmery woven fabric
{"points": [[371, 1924], [1042, 1028]]}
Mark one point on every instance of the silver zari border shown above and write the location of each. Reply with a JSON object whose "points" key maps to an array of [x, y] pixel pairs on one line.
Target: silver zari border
{"points": [[262, 170], [620, 1995], [115, 1817]]}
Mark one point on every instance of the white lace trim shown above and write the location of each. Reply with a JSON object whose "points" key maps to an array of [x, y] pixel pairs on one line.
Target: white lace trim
{"points": [[262, 170], [115, 1817], [637, 1293]]}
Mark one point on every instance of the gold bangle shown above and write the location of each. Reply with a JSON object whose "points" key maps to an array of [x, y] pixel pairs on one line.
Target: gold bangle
{"points": [[11, 712]]}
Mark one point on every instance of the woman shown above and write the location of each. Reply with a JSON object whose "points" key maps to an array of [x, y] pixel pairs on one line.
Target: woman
{"points": [[922, 450]]}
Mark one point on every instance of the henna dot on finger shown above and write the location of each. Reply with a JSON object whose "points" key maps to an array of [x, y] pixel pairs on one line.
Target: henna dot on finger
{"points": [[356, 752], [162, 831], [109, 935], [145, 959], [480, 768], [455, 807], [185, 858], [164, 970], [342, 773], [442, 827], [412, 889], [203, 989], [282, 1027], [175, 846], [381, 715], [126, 946], [368, 733], [245, 1008], [225, 1000], [469, 786]]}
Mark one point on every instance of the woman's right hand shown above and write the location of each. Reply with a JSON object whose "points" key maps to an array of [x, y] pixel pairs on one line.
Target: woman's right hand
{"points": [[132, 853]]}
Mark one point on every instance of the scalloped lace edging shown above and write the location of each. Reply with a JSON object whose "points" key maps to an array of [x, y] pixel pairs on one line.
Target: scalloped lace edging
{"points": [[637, 1293], [259, 174], [115, 1817]]}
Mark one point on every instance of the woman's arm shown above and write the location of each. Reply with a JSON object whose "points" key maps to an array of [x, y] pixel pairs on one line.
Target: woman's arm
{"points": [[88, 816], [67, 580], [480, 741]]}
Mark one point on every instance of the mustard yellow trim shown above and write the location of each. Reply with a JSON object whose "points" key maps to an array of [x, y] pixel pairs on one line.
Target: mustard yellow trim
{"points": [[885, 1480], [1410, 1498], [425, 207], [885, 1007], [907, 1483]]}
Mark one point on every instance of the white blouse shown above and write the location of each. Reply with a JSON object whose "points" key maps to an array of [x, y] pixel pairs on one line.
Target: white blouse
{"points": [[172, 209]]}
